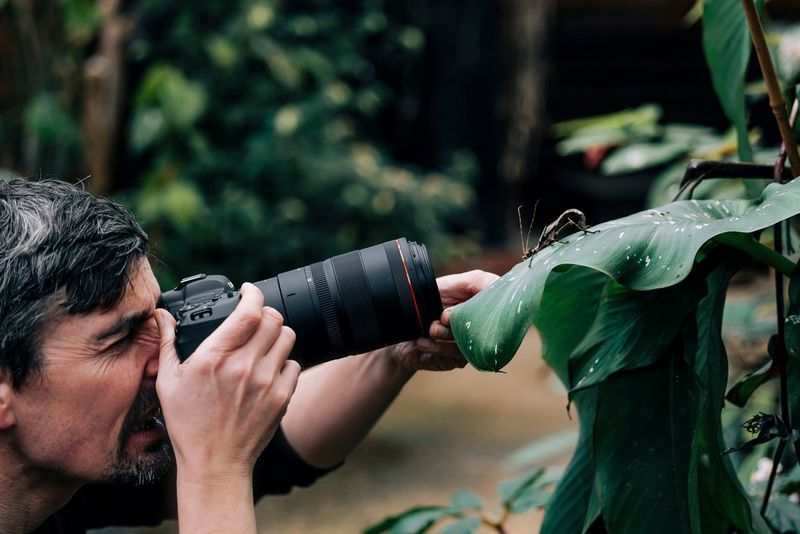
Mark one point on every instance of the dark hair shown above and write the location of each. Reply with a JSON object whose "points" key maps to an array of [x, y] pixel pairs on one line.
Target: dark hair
{"points": [[61, 250]]}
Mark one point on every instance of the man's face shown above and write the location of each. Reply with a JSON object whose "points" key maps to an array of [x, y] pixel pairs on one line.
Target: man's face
{"points": [[90, 417]]}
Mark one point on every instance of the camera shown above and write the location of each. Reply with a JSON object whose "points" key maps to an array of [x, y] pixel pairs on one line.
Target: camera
{"points": [[348, 304]]}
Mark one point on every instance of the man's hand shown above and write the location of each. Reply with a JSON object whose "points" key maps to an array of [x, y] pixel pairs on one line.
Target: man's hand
{"points": [[439, 352], [222, 406]]}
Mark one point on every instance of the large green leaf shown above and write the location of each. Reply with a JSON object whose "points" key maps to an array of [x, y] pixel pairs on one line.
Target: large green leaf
{"points": [[723, 504], [726, 43], [574, 503], [649, 457], [632, 329], [791, 337], [567, 310], [642, 446], [648, 250]]}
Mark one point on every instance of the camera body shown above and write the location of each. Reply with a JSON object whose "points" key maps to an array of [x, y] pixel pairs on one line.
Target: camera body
{"points": [[348, 304]]}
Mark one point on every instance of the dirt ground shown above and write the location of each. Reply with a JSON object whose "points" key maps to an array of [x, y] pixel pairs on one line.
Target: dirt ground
{"points": [[446, 432]]}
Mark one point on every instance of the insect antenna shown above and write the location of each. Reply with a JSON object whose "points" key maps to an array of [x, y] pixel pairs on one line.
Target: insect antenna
{"points": [[524, 242]]}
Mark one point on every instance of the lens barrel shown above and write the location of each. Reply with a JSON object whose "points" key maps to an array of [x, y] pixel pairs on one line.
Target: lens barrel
{"points": [[347, 304], [358, 301]]}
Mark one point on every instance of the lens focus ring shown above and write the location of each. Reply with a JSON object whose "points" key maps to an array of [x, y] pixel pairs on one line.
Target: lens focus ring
{"points": [[358, 300], [327, 307]]}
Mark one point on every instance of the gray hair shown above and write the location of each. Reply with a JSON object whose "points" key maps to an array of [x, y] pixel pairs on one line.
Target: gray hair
{"points": [[61, 250]]}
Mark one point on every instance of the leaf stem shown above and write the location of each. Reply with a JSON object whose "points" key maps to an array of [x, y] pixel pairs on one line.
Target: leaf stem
{"points": [[758, 250], [776, 100]]}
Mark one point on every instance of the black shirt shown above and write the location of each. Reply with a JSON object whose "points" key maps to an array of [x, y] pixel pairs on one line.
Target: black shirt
{"points": [[277, 470]]}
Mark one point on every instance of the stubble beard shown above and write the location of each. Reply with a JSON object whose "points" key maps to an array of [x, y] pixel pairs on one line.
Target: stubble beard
{"points": [[138, 468]]}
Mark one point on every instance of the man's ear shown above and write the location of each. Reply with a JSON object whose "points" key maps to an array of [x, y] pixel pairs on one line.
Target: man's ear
{"points": [[7, 417]]}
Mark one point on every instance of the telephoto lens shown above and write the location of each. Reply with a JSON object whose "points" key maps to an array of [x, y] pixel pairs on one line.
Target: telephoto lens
{"points": [[348, 304]]}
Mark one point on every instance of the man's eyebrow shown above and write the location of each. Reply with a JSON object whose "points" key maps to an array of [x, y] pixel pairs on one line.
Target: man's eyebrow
{"points": [[124, 324]]}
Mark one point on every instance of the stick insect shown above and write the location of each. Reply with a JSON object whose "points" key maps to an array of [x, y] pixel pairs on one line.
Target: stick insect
{"points": [[569, 218]]}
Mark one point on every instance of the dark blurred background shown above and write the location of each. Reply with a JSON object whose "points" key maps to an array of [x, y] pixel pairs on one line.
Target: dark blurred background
{"points": [[254, 136]]}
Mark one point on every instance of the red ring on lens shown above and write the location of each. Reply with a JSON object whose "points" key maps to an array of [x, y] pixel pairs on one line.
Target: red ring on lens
{"points": [[411, 286]]}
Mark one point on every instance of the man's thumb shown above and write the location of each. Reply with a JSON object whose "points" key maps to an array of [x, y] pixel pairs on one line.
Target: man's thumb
{"points": [[168, 357]]}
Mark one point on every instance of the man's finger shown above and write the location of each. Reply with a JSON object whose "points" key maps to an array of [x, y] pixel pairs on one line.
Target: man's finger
{"points": [[267, 332], [167, 356], [237, 329], [440, 332], [275, 358]]}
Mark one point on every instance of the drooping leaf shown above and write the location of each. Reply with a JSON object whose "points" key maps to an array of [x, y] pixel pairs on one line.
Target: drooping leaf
{"points": [[726, 43], [567, 310], [740, 392], [574, 503], [791, 336], [632, 329], [648, 250], [722, 502], [642, 446]]}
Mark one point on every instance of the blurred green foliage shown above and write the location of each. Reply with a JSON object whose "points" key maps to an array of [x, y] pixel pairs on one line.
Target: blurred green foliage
{"points": [[249, 142], [249, 129]]}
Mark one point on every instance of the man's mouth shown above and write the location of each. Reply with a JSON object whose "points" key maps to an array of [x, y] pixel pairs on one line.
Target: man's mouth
{"points": [[149, 421]]}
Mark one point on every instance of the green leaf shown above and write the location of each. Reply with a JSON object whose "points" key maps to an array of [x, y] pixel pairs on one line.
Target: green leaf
{"points": [[48, 121], [648, 114], [574, 503], [467, 525], [722, 503], [415, 520], [641, 156], [632, 329], [741, 392], [181, 101], [649, 456], [81, 19], [510, 490], [582, 141], [726, 43], [644, 251], [783, 515], [466, 500], [567, 310], [642, 446], [791, 337], [544, 449]]}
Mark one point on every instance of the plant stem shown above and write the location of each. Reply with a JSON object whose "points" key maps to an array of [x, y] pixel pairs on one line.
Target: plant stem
{"points": [[775, 462], [776, 101], [496, 525], [757, 250]]}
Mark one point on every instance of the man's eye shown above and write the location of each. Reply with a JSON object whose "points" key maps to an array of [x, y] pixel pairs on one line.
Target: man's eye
{"points": [[121, 343]]}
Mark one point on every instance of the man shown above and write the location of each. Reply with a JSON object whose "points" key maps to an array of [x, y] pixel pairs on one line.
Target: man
{"points": [[87, 362]]}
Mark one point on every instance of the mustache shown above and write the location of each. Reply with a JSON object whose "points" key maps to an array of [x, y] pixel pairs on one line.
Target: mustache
{"points": [[145, 407]]}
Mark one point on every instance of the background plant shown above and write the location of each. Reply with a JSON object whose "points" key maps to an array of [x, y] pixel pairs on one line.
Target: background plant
{"points": [[630, 318], [247, 131]]}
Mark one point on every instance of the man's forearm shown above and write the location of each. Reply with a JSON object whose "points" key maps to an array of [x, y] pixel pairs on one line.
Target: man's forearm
{"points": [[220, 503], [337, 403]]}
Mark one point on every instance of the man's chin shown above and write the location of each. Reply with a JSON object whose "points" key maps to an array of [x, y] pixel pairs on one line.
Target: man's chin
{"points": [[143, 461]]}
